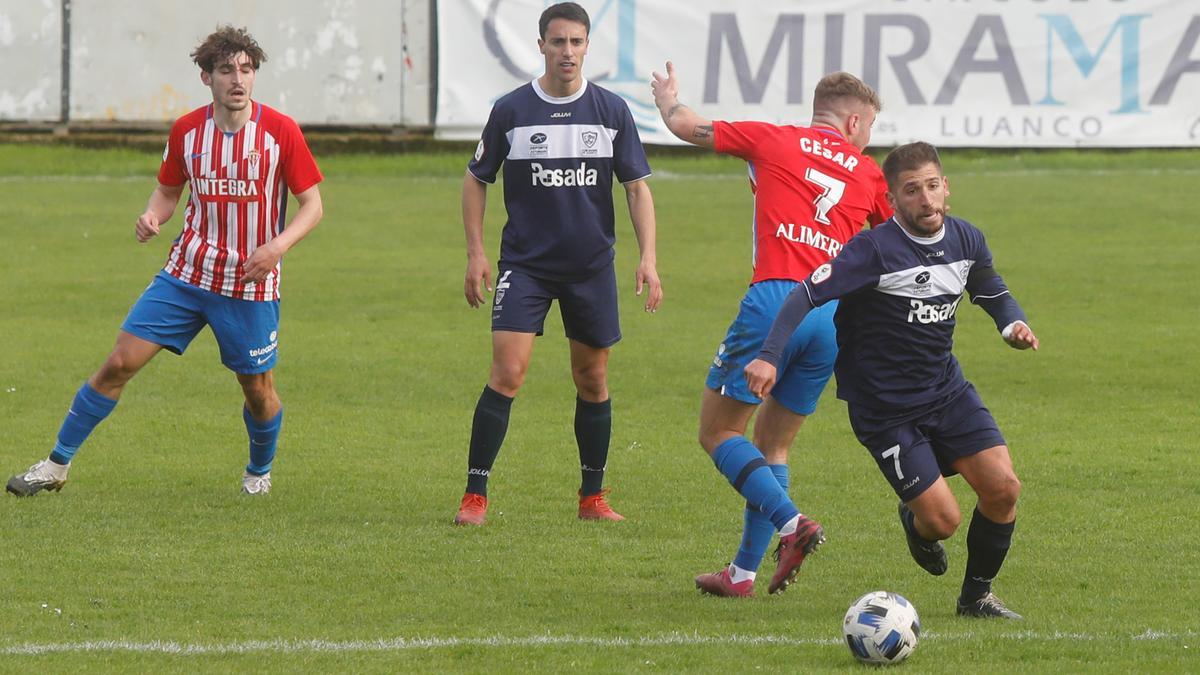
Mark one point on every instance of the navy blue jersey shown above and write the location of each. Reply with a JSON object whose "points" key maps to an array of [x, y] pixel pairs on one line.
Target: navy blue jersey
{"points": [[895, 322], [559, 156]]}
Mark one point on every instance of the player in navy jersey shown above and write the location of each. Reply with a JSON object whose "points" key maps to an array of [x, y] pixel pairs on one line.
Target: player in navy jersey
{"points": [[813, 190], [240, 159], [910, 405], [560, 140]]}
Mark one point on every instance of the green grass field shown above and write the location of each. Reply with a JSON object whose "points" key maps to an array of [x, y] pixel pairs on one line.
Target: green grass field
{"points": [[150, 560]]}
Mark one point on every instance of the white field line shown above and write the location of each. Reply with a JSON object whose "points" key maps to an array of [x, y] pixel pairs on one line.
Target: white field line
{"points": [[411, 644]]}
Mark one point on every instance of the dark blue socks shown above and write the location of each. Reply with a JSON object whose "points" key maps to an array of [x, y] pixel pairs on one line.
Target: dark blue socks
{"points": [[487, 434], [87, 410], [987, 546], [593, 429]]}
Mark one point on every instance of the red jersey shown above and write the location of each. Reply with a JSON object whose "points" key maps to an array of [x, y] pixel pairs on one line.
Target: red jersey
{"points": [[813, 190], [239, 184]]}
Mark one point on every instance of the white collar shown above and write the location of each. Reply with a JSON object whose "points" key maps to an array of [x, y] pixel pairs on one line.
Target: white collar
{"points": [[537, 89], [925, 241]]}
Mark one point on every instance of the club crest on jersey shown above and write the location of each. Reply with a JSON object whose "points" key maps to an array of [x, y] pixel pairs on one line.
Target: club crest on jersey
{"points": [[821, 273], [252, 158], [589, 138]]}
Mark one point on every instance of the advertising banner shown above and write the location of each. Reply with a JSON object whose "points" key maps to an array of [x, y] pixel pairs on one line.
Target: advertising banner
{"points": [[971, 73]]}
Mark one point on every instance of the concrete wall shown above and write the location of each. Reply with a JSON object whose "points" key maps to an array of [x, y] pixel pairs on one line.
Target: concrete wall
{"points": [[30, 58], [352, 62]]}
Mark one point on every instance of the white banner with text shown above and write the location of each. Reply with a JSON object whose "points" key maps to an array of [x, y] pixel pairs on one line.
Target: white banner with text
{"points": [[969, 73]]}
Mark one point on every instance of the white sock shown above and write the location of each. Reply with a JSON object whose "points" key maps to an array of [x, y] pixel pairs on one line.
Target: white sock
{"points": [[738, 575], [59, 471], [790, 527]]}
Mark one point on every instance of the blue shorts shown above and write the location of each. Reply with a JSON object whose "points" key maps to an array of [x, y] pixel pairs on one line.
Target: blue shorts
{"points": [[913, 453], [807, 361], [588, 308], [170, 313]]}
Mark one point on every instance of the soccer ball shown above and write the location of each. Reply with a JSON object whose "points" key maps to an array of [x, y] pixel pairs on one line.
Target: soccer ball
{"points": [[881, 628]]}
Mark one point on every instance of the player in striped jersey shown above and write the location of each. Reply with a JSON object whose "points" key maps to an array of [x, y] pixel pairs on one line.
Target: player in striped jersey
{"points": [[239, 159], [813, 190], [560, 140]]}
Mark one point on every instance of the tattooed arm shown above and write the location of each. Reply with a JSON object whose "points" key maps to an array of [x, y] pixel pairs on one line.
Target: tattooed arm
{"points": [[680, 119]]}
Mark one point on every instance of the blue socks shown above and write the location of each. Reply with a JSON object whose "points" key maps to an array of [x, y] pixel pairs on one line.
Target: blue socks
{"points": [[263, 437], [758, 529], [747, 471], [89, 408]]}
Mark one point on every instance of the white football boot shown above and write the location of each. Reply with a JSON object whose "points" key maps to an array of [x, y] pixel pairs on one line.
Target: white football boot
{"points": [[256, 485], [45, 475]]}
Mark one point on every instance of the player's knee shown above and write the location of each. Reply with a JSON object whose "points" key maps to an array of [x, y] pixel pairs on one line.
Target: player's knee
{"points": [[259, 389], [507, 378], [944, 527], [591, 379], [941, 523], [116, 371], [1003, 493]]}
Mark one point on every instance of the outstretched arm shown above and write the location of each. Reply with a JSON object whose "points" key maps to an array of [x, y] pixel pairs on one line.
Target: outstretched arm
{"points": [[680, 119], [641, 212]]}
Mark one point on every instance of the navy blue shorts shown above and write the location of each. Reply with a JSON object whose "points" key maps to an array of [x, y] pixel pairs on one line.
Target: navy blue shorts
{"points": [[913, 453], [170, 313], [807, 361], [588, 308]]}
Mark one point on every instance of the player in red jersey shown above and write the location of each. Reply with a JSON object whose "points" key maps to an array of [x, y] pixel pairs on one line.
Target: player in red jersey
{"points": [[239, 159], [813, 190]]}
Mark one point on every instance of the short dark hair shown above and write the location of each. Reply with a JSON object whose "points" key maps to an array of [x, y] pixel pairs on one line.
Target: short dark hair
{"points": [[835, 87], [227, 41], [907, 158], [571, 11]]}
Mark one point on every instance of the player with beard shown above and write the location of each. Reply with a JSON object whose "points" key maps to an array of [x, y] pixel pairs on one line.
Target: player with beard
{"points": [[909, 403]]}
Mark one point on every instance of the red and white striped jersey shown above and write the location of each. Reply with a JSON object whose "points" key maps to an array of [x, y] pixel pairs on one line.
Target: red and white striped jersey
{"points": [[239, 186]]}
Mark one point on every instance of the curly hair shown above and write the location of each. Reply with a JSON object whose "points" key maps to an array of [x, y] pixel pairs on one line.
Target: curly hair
{"points": [[227, 41]]}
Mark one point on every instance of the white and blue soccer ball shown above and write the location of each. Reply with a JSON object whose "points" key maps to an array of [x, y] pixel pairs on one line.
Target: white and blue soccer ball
{"points": [[881, 628]]}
